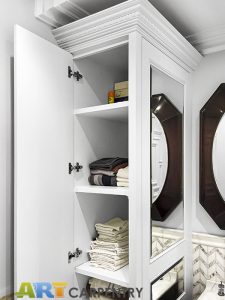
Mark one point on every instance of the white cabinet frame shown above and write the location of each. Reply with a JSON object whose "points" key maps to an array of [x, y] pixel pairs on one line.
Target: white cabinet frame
{"points": [[151, 40]]}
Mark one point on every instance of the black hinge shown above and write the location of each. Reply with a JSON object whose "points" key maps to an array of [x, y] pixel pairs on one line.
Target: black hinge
{"points": [[77, 75], [74, 254], [77, 167]]}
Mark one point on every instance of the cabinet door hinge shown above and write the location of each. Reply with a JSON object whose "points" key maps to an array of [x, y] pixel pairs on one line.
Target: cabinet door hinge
{"points": [[77, 167], [74, 254], [77, 74]]}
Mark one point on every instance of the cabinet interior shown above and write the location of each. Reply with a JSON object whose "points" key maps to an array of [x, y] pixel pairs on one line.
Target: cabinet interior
{"points": [[100, 130], [100, 71]]}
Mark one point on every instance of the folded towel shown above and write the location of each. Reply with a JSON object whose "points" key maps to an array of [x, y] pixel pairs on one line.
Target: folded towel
{"points": [[102, 180], [97, 284], [109, 266], [115, 224], [122, 184], [109, 173], [104, 244], [114, 233], [121, 179], [110, 290], [123, 173], [107, 163], [113, 239], [102, 172]]}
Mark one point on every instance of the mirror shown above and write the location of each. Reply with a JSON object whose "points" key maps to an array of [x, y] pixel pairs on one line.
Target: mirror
{"points": [[211, 158], [159, 158], [218, 157], [170, 285], [167, 96]]}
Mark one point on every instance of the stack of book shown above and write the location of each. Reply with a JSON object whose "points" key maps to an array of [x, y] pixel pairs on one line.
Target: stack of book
{"points": [[121, 91]]}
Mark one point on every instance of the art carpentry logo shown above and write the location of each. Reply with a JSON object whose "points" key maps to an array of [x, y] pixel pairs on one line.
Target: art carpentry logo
{"points": [[60, 290]]}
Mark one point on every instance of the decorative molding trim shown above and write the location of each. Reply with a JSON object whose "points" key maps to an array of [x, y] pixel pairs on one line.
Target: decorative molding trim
{"points": [[208, 240], [116, 23], [209, 41], [58, 13]]}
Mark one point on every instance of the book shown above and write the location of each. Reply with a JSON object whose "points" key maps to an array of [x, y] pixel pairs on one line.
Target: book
{"points": [[121, 93], [121, 85], [121, 99]]}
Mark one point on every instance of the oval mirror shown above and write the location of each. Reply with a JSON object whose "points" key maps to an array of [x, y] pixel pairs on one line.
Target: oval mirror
{"points": [[159, 158], [218, 157]]}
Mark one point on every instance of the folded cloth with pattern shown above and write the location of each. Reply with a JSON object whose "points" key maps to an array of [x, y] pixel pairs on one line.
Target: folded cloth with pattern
{"points": [[107, 164], [102, 180]]}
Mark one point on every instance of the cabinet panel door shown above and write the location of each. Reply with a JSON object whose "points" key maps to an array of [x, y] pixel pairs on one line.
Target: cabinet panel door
{"points": [[43, 149]]}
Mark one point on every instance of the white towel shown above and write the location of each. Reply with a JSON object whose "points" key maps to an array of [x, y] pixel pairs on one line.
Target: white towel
{"points": [[97, 284], [109, 266], [121, 179], [113, 225], [122, 184], [123, 173]]}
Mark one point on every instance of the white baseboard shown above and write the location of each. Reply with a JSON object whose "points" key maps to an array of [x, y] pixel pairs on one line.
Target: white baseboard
{"points": [[6, 291]]}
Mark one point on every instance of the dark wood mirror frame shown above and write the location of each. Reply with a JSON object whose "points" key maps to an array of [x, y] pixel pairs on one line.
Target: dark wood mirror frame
{"points": [[171, 120], [210, 116]]}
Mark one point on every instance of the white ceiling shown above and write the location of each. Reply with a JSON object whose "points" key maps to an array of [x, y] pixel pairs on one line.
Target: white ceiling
{"points": [[202, 22], [191, 16]]}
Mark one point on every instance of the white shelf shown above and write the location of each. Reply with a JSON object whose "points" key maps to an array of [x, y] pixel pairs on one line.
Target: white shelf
{"points": [[120, 277], [108, 190], [113, 112]]}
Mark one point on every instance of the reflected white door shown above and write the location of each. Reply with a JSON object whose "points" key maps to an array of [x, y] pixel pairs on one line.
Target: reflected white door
{"points": [[43, 149]]}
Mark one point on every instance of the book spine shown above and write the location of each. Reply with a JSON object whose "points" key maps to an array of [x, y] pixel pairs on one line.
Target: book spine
{"points": [[121, 99], [121, 93]]}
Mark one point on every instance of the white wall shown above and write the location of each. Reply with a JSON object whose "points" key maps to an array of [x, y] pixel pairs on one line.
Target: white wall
{"points": [[209, 75], [22, 13]]}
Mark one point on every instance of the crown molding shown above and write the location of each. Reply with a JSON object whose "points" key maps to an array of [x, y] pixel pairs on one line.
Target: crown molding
{"points": [[209, 41], [58, 13], [116, 23]]}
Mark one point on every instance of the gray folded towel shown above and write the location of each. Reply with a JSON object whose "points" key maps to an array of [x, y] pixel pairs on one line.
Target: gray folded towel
{"points": [[107, 163]]}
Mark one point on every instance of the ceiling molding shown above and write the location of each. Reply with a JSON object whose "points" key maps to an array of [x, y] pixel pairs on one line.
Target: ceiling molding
{"points": [[209, 41], [58, 13], [117, 22]]}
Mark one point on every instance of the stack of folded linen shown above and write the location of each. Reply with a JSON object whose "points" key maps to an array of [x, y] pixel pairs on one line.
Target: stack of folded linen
{"points": [[110, 249], [103, 171], [122, 177], [104, 290]]}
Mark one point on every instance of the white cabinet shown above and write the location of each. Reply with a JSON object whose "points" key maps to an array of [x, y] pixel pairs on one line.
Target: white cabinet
{"points": [[60, 120]]}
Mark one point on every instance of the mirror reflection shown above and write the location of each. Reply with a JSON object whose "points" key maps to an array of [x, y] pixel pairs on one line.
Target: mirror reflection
{"points": [[170, 286], [166, 161], [218, 157], [159, 157]]}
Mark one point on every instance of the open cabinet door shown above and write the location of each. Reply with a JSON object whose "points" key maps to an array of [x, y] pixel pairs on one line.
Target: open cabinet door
{"points": [[43, 149]]}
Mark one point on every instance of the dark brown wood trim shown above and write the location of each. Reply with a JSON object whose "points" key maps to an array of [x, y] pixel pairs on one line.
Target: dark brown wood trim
{"points": [[171, 120], [210, 116]]}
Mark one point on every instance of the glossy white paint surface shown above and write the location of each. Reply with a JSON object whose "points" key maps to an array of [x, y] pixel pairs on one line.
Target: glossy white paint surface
{"points": [[43, 148]]}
